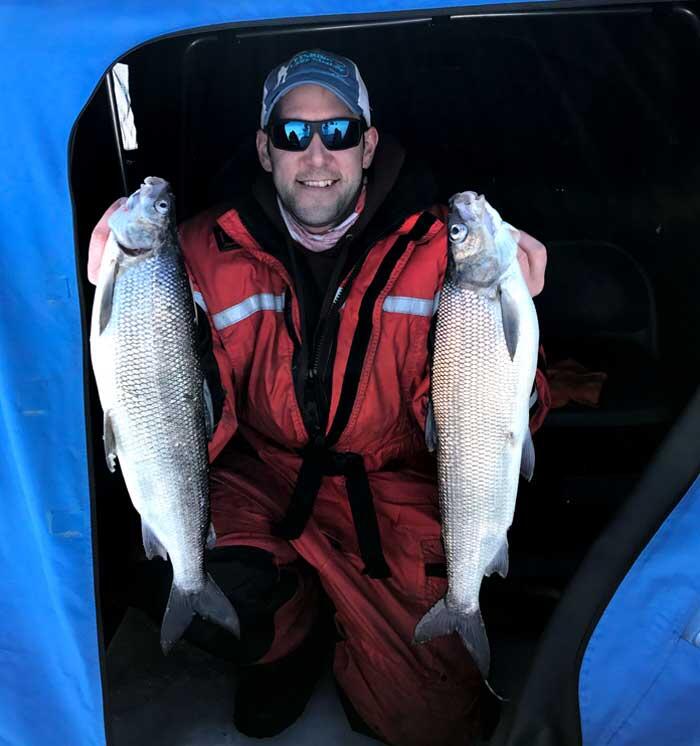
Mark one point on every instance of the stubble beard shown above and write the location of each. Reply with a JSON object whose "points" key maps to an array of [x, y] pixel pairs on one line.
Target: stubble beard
{"points": [[321, 214]]}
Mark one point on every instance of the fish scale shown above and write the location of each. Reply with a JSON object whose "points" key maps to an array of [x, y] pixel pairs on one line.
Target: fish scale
{"points": [[470, 409], [158, 392]]}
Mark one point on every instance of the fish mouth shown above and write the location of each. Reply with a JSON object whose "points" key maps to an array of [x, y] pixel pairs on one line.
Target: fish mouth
{"points": [[152, 189], [469, 210]]}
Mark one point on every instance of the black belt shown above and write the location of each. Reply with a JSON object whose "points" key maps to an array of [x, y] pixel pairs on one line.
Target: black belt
{"points": [[320, 462]]}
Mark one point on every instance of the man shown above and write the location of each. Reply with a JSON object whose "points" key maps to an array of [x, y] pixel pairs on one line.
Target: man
{"points": [[319, 286]]}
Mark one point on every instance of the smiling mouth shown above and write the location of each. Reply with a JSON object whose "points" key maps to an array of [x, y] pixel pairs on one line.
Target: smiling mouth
{"points": [[324, 184]]}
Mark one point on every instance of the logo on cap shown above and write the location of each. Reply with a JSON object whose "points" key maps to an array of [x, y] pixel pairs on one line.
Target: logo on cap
{"points": [[337, 66], [314, 66]]}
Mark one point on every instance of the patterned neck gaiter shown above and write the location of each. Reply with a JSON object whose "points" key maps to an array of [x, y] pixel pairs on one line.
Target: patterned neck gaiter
{"points": [[321, 241]]}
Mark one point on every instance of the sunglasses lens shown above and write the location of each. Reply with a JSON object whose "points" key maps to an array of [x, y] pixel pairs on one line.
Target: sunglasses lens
{"points": [[294, 135], [338, 134]]}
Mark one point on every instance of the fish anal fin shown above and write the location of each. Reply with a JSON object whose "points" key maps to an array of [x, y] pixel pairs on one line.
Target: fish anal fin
{"points": [[109, 442], [499, 563], [510, 319], [151, 543], [527, 460]]}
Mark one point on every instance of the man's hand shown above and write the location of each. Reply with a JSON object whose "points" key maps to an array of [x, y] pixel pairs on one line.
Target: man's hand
{"points": [[532, 256], [98, 239]]}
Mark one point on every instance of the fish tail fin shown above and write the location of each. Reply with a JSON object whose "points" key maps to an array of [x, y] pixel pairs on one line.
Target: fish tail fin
{"points": [[441, 621], [210, 603]]}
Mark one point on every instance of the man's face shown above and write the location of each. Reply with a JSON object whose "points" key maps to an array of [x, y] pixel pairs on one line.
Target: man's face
{"points": [[297, 175]]}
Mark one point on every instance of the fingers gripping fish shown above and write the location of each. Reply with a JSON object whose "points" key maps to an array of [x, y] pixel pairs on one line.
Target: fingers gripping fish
{"points": [[151, 387], [484, 362]]}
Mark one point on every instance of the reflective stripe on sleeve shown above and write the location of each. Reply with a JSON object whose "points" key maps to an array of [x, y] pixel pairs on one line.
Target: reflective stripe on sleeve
{"points": [[247, 307], [410, 306]]}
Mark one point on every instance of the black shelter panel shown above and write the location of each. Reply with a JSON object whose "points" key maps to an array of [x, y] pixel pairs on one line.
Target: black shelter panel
{"points": [[547, 711]]}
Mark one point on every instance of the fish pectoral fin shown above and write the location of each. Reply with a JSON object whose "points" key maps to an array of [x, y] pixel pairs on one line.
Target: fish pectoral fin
{"points": [[108, 295], [151, 544], [210, 603], [510, 319], [211, 537], [430, 428], [527, 460], [499, 563], [109, 442], [470, 626]]}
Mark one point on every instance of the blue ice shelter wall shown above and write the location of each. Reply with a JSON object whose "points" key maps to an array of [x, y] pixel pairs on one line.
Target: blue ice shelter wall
{"points": [[55, 57]]}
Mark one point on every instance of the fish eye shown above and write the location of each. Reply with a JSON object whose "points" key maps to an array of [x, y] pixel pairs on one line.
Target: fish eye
{"points": [[458, 232], [162, 206]]}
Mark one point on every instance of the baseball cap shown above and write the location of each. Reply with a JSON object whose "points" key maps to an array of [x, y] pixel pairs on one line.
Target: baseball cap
{"points": [[335, 73]]}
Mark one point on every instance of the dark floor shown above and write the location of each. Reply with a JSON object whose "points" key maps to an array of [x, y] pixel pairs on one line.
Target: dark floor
{"points": [[186, 698]]}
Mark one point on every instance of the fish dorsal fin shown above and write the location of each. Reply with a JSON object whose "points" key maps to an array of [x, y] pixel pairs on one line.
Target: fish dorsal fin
{"points": [[195, 304], [510, 319], [108, 294]]}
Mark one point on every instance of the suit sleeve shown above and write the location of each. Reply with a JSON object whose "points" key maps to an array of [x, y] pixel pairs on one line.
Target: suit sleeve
{"points": [[218, 374], [215, 362]]}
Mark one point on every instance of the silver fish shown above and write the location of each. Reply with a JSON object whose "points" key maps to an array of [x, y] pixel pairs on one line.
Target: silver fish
{"points": [[484, 361], [151, 387]]}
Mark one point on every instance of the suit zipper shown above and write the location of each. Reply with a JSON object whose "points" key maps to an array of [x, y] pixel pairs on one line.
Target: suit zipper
{"points": [[320, 338], [338, 300], [316, 374]]}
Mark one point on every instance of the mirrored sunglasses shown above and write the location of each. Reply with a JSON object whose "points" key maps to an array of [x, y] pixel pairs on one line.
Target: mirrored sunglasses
{"points": [[335, 134]]}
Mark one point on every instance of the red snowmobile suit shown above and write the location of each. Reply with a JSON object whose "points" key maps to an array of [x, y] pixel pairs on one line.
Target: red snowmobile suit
{"points": [[335, 468]]}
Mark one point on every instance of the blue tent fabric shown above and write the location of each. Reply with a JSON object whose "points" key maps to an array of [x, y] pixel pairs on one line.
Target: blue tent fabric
{"points": [[639, 683], [50, 681]]}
